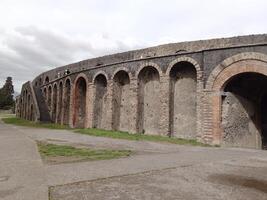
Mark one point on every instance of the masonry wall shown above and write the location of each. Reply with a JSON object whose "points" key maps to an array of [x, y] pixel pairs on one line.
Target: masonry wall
{"points": [[161, 90], [239, 122]]}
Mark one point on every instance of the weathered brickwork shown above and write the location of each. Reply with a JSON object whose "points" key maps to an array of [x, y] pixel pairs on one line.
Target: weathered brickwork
{"points": [[184, 90]]}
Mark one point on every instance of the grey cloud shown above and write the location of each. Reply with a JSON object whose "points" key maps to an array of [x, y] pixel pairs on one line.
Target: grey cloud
{"points": [[30, 51]]}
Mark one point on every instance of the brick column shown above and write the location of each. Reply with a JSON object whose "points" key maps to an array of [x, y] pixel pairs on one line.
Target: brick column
{"points": [[211, 115]]}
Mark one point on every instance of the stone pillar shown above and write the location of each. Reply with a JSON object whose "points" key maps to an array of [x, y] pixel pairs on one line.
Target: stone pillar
{"points": [[165, 105], [71, 108], [57, 106], [108, 121], [200, 95], [63, 105], [134, 102], [90, 98]]}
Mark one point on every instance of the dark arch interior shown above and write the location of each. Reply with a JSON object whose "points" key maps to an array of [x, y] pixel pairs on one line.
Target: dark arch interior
{"points": [[47, 80], [244, 116], [147, 74], [100, 101], [80, 103], [148, 101], [119, 101], [183, 85]]}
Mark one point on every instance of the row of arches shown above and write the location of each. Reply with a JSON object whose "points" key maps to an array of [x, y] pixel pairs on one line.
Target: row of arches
{"points": [[58, 106], [25, 108], [136, 105]]}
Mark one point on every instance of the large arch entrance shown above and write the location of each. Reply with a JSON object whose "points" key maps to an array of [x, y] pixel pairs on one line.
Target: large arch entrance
{"points": [[121, 106], [237, 94], [243, 104], [80, 103], [183, 86], [100, 102], [148, 101]]}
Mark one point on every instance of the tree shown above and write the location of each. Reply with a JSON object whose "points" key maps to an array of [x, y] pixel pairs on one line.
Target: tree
{"points": [[6, 95]]}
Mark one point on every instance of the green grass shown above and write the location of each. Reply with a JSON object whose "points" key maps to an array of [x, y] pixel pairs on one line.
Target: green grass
{"points": [[23, 122], [6, 115], [105, 133], [128, 136], [52, 150]]}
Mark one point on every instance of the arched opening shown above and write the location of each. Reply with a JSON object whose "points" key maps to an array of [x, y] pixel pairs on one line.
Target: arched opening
{"points": [[60, 96], [121, 105], [100, 102], [45, 94], [46, 80], [66, 102], [54, 104], [79, 103], [148, 101], [183, 86], [49, 99], [243, 116]]}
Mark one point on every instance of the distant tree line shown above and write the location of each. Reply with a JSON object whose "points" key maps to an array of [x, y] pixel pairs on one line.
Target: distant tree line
{"points": [[6, 95]]}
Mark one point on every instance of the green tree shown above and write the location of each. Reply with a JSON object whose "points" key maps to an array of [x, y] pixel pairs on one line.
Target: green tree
{"points": [[6, 95]]}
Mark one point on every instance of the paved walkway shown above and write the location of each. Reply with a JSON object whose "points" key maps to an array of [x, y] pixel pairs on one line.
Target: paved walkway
{"points": [[24, 176]]}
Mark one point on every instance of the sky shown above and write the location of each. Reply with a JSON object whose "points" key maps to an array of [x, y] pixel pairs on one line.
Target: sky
{"points": [[38, 35]]}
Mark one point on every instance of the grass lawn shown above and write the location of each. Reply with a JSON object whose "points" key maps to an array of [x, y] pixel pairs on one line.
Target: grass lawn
{"points": [[23, 122], [105, 133], [128, 136], [6, 115], [53, 153]]}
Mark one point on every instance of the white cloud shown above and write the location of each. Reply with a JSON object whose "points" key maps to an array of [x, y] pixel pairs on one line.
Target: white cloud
{"points": [[38, 34]]}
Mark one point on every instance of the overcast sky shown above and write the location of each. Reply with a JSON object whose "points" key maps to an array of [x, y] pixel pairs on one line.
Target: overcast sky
{"points": [[37, 35]]}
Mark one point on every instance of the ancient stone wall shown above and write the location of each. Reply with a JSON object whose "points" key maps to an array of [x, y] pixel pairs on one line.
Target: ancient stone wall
{"points": [[174, 90]]}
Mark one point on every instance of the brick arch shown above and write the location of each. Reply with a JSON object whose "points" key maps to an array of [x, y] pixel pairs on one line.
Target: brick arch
{"points": [[66, 79], [98, 73], [241, 63], [66, 101], [231, 60], [46, 80], [121, 69], [148, 64], [177, 105], [121, 92], [76, 121], [185, 59]]}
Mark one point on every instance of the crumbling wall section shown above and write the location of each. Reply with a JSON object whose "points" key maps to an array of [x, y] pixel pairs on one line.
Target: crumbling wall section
{"points": [[240, 122]]}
